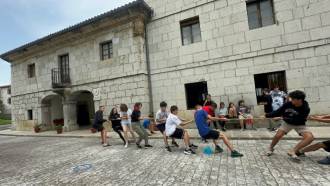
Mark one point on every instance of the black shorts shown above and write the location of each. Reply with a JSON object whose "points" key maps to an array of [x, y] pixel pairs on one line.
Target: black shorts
{"points": [[327, 145], [98, 128], [178, 133], [161, 127], [117, 127], [213, 134]]}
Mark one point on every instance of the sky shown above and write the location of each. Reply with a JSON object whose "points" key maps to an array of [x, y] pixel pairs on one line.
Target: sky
{"points": [[23, 21]]}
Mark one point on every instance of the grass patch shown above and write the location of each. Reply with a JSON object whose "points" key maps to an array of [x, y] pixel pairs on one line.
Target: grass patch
{"points": [[5, 122]]}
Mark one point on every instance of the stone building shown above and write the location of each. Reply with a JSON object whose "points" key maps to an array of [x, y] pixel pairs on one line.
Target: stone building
{"points": [[5, 97], [177, 51]]}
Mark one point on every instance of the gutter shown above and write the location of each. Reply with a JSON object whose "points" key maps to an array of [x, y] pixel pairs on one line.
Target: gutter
{"points": [[151, 106]]}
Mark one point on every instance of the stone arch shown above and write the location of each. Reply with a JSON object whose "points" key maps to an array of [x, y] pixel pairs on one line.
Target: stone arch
{"points": [[51, 109], [85, 109]]}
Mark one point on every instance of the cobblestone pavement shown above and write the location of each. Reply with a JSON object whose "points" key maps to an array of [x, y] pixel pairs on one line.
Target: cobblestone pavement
{"points": [[51, 161]]}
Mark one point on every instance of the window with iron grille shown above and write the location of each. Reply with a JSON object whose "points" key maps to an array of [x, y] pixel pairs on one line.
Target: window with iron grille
{"points": [[260, 13], [31, 70], [190, 31], [106, 50]]}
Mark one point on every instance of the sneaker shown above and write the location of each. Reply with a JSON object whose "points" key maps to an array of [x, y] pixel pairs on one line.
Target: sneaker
{"points": [[242, 130], [293, 155], [300, 154], [193, 146], [223, 129], [147, 146], [138, 146], [106, 145], [235, 154], [175, 144], [270, 152], [126, 145], [325, 161], [168, 148], [218, 149], [189, 151]]}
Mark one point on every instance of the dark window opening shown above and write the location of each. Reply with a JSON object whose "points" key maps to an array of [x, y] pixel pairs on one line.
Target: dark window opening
{"points": [[64, 68], [9, 101], [190, 31], [30, 115], [269, 81], [195, 94], [260, 13], [9, 90], [106, 50], [31, 70]]}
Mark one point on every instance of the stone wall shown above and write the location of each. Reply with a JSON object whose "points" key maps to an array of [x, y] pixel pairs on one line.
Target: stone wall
{"points": [[230, 54]]}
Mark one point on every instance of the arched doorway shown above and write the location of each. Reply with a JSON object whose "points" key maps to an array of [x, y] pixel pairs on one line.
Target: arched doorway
{"points": [[51, 109], [84, 107]]}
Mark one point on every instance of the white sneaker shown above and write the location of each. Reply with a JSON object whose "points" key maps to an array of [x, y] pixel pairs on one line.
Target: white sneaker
{"points": [[270, 152], [126, 145]]}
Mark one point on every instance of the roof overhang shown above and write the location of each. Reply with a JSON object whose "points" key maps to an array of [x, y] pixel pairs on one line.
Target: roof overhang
{"points": [[137, 6]]}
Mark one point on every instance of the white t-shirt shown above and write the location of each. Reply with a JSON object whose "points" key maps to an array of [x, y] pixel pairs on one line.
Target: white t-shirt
{"points": [[171, 123], [161, 115], [128, 114]]}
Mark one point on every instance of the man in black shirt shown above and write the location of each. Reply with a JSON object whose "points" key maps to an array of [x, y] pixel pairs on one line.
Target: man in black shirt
{"points": [[98, 125], [295, 114]]}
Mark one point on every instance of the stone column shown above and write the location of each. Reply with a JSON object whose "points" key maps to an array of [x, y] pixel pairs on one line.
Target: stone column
{"points": [[70, 115], [45, 117]]}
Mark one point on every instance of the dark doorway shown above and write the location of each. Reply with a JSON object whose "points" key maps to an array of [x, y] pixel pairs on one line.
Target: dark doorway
{"points": [[269, 81], [195, 93], [83, 115]]}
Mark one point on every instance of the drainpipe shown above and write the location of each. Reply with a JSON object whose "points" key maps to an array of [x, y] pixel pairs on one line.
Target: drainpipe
{"points": [[151, 106]]}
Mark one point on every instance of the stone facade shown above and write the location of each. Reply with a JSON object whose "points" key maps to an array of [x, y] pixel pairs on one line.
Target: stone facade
{"points": [[227, 58], [5, 97], [230, 53]]}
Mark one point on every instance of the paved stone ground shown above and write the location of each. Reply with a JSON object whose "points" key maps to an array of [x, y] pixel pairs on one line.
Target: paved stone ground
{"points": [[50, 161]]}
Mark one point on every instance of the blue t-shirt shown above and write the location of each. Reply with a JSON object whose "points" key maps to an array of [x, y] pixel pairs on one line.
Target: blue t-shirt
{"points": [[201, 122]]}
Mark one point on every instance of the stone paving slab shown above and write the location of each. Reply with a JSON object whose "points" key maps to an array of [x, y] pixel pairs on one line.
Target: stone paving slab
{"points": [[51, 161], [262, 133]]}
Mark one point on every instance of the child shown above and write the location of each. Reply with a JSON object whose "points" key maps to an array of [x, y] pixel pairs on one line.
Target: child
{"points": [[201, 117], [173, 130], [222, 113], [232, 113], [114, 117], [210, 109], [294, 113], [138, 127], [149, 123], [125, 116], [161, 117], [321, 145], [244, 115], [98, 125], [208, 101]]}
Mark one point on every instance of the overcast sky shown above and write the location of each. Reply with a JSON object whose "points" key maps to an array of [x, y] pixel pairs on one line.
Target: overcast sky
{"points": [[23, 21]]}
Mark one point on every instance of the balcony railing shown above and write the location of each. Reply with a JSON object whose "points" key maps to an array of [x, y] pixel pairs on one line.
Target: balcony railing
{"points": [[61, 78]]}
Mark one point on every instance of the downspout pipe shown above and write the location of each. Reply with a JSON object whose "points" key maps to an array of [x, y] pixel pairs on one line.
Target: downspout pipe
{"points": [[151, 106]]}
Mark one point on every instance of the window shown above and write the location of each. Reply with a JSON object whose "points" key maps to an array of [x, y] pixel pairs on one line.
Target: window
{"points": [[269, 81], [260, 13], [9, 101], [190, 31], [195, 93], [9, 90], [31, 70], [106, 50], [30, 115]]}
